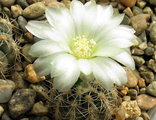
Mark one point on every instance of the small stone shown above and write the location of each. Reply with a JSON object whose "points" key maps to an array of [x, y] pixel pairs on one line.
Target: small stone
{"points": [[136, 10], [138, 118], [128, 3], [16, 11], [19, 81], [24, 119], [149, 51], [143, 46], [21, 102], [6, 116], [139, 22], [141, 3], [7, 11], [120, 114], [132, 80], [39, 109], [144, 68], [139, 61], [146, 102], [148, 10], [120, 6], [44, 118], [7, 3], [148, 76], [25, 51], [128, 12], [35, 10], [31, 76], [141, 83], [6, 89], [33, 1], [137, 51], [22, 23], [1, 110], [40, 91], [124, 91], [145, 116], [132, 93], [153, 2], [131, 109], [152, 33], [143, 37], [29, 37], [126, 20], [152, 64], [22, 3], [142, 91], [126, 98], [151, 88]]}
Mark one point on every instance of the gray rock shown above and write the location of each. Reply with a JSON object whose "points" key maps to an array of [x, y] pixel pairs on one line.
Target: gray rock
{"points": [[152, 33], [152, 65], [151, 88], [35, 10], [22, 23], [22, 3], [21, 102], [149, 51], [132, 93], [126, 20], [136, 10], [139, 61], [7, 3], [6, 116], [148, 76], [143, 37]]}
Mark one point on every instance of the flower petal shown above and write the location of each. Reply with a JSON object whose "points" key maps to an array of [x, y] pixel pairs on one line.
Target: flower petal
{"points": [[85, 66], [44, 48], [77, 11], [62, 21], [66, 81], [61, 63], [42, 65], [107, 51], [125, 59], [38, 28], [103, 73]]}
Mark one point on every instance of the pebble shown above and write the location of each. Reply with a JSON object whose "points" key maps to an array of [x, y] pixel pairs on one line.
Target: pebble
{"points": [[128, 12], [143, 37], [149, 51], [141, 4], [1, 110], [152, 33], [139, 22], [25, 52], [131, 109], [139, 61], [29, 37], [137, 51], [39, 109], [21, 102], [128, 3], [6, 89], [7, 11], [44, 118], [35, 10], [22, 3], [148, 76], [146, 102], [153, 2], [126, 20], [148, 10], [7, 3], [132, 80], [6, 116], [136, 10], [144, 68], [151, 88], [138, 118], [40, 91], [31, 76], [143, 46], [142, 91], [141, 83], [19, 81], [16, 11], [124, 91], [120, 114], [18, 66], [152, 64], [132, 93], [22, 23], [33, 1], [144, 115]]}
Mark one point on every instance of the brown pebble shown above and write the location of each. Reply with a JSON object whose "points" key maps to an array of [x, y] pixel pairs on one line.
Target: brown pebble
{"points": [[128, 12], [128, 3], [31, 76], [16, 11], [152, 64], [141, 83], [148, 76]]}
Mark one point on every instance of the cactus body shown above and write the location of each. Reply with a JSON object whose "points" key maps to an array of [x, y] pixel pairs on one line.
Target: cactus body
{"points": [[85, 102]]}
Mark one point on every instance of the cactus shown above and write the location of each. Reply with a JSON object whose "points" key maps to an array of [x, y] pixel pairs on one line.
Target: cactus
{"points": [[8, 47], [88, 101]]}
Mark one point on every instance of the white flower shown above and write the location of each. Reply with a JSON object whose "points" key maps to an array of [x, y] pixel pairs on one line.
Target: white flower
{"points": [[85, 41]]}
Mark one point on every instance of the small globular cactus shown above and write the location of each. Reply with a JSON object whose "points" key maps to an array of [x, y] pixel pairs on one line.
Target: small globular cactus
{"points": [[88, 101], [8, 47]]}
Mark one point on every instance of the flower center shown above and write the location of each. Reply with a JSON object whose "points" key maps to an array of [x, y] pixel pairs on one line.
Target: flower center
{"points": [[82, 47]]}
